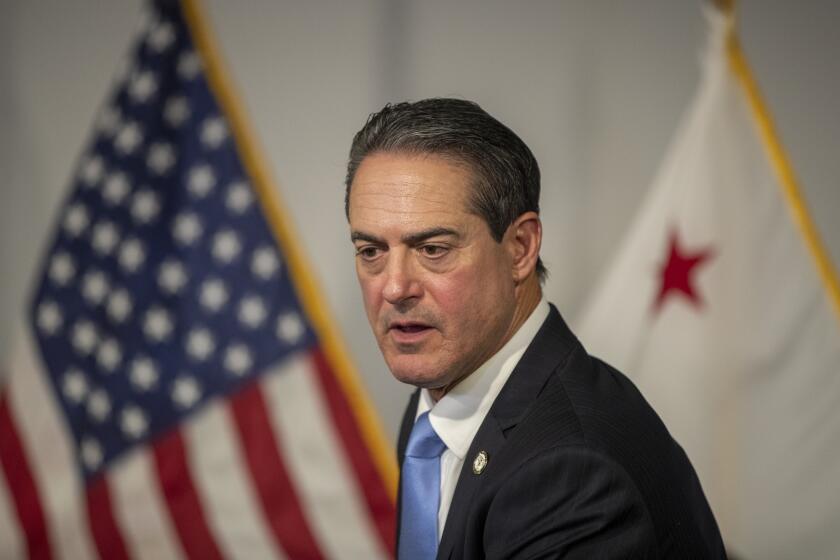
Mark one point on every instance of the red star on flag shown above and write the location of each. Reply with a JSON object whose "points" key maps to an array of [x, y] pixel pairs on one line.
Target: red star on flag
{"points": [[677, 273]]}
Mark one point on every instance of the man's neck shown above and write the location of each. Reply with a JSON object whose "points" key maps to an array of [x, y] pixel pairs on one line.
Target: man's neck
{"points": [[529, 296]]}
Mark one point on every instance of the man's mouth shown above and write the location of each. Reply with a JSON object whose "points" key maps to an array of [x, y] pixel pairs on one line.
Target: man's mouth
{"points": [[409, 327], [408, 331]]}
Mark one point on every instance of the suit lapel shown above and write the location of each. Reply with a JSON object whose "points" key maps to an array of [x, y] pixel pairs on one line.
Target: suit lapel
{"points": [[490, 439], [402, 442], [552, 345], [407, 425]]}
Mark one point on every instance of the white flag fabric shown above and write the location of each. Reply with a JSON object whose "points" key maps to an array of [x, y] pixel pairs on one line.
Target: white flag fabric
{"points": [[721, 306]]}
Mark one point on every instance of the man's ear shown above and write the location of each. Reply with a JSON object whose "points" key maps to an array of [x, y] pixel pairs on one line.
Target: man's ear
{"points": [[523, 239]]}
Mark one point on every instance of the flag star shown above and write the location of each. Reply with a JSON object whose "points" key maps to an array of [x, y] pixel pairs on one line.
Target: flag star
{"points": [[161, 37], [133, 422], [157, 324], [172, 276], [132, 255], [187, 228], [116, 188], [226, 246], [290, 328], [84, 337], [144, 374], [201, 180], [176, 111], [99, 405], [95, 287], [143, 85], [161, 157], [62, 268], [264, 262], [213, 295], [145, 206], [678, 272], [92, 170], [74, 386], [239, 197], [108, 120], [105, 238], [252, 311], [119, 305], [109, 355], [91, 453], [49, 317], [238, 359], [200, 344], [76, 219], [186, 391], [213, 132], [188, 65], [128, 138]]}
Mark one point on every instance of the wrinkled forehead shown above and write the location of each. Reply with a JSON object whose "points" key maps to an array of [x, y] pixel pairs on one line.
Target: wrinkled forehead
{"points": [[410, 183]]}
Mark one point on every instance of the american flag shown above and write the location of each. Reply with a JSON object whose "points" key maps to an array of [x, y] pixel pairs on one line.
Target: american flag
{"points": [[170, 395]]}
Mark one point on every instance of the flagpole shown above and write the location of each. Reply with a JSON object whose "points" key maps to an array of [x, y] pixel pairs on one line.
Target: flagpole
{"points": [[779, 160], [725, 6]]}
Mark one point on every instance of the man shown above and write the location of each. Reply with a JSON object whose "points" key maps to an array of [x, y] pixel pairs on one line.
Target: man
{"points": [[517, 444]]}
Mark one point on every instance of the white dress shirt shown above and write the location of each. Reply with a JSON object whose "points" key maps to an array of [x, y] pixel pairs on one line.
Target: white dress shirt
{"points": [[458, 415]]}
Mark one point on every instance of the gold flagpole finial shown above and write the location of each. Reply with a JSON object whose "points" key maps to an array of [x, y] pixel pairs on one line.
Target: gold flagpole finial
{"points": [[727, 9], [725, 6]]}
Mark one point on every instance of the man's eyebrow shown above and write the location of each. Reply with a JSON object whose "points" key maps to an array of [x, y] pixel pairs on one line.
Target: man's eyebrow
{"points": [[362, 236], [408, 239], [420, 236]]}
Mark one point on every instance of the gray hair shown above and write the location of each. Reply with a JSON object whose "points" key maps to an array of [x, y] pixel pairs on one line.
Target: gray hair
{"points": [[507, 177]]}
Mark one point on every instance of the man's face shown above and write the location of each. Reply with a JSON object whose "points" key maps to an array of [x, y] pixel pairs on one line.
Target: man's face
{"points": [[438, 289]]}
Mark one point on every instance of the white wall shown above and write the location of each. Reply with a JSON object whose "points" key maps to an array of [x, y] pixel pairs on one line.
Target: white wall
{"points": [[596, 88]]}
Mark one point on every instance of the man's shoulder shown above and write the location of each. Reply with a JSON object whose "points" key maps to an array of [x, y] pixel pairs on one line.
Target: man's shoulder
{"points": [[611, 412], [589, 404], [589, 411], [586, 402]]}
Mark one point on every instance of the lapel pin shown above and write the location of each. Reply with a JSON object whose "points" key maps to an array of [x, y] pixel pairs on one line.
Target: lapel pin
{"points": [[480, 462]]}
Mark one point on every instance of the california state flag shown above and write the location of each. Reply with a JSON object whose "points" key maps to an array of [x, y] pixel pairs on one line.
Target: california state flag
{"points": [[723, 308]]}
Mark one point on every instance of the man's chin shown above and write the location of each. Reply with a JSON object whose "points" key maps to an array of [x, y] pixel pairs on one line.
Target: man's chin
{"points": [[423, 381], [407, 370]]}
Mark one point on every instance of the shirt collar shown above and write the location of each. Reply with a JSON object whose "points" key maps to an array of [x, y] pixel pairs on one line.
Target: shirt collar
{"points": [[458, 415]]}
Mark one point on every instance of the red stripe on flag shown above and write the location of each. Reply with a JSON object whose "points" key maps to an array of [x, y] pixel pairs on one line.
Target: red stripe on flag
{"points": [[182, 501], [371, 485], [21, 485], [279, 500], [103, 525]]}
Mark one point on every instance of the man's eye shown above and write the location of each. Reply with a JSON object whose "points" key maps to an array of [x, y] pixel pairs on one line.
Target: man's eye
{"points": [[433, 251], [367, 252]]}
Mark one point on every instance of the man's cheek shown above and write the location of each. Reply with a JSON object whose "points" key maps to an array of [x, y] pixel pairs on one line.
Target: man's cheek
{"points": [[451, 293]]}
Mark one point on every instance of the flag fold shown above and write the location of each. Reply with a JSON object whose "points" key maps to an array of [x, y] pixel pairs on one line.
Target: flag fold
{"points": [[716, 306]]}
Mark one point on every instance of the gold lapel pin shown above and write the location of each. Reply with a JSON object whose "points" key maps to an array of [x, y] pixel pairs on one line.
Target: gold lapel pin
{"points": [[480, 462]]}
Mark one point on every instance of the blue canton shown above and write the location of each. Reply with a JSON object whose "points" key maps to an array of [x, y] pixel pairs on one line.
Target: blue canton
{"points": [[163, 288]]}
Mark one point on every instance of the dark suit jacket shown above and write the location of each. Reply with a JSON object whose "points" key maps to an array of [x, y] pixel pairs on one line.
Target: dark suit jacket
{"points": [[579, 466]]}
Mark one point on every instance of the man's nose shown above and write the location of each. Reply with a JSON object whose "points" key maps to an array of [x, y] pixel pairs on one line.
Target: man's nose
{"points": [[401, 283]]}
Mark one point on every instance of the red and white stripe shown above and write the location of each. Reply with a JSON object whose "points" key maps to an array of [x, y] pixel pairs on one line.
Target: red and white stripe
{"points": [[10, 534], [266, 473], [138, 506], [43, 474], [222, 479]]}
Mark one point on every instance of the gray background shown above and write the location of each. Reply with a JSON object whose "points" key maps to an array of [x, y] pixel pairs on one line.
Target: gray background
{"points": [[596, 89]]}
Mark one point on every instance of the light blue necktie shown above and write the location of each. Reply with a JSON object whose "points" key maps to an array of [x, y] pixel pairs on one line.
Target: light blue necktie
{"points": [[420, 492]]}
